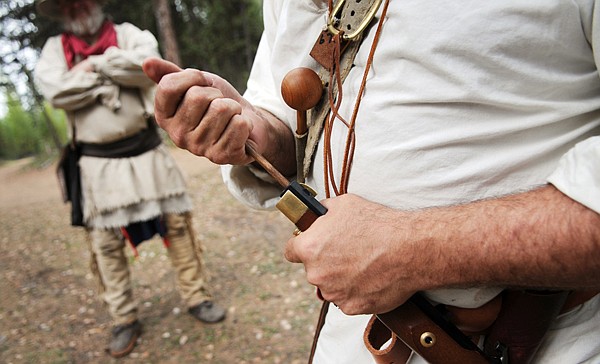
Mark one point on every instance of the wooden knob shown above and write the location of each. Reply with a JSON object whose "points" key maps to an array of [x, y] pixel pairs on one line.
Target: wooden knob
{"points": [[301, 89]]}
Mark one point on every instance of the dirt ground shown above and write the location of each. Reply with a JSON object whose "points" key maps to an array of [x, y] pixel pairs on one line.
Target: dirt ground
{"points": [[50, 313]]}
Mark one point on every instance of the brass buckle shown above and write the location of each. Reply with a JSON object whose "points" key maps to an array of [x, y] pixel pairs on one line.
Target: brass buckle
{"points": [[333, 20]]}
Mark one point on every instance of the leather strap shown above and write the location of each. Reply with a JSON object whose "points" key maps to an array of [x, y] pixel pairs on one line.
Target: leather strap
{"points": [[320, 323], [472, 321], [481, 320], [352, 15], [325, 42], [376, 336], [522, 323], [475, 321], [430, 341]]}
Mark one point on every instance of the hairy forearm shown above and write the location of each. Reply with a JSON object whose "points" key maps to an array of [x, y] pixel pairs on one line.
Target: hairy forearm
{"points": [[278, 148], [538, 239]]}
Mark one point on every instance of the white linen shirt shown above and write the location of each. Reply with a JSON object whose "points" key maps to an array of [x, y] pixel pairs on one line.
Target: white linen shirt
{"points": [[465, 100]]}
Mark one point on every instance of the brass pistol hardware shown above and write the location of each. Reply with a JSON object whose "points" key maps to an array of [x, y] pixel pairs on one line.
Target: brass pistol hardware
{"points": [[298, 202], [333, 20], [291, 206], [301, 89], [427, 339]]}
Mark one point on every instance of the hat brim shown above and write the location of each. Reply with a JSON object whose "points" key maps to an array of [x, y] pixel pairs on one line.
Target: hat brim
{"points": [[51, 9], [48, 8]]}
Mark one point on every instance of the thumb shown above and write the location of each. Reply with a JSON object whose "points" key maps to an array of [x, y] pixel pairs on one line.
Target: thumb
{"points": [[156, 68], [290, 253]]}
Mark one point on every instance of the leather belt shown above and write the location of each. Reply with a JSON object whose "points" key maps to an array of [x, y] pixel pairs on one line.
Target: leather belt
{"points": [[376, 336], [386, 348], [132, 146]]}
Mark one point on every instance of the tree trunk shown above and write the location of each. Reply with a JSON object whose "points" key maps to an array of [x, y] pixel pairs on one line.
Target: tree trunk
{"points": [[162, 13]]}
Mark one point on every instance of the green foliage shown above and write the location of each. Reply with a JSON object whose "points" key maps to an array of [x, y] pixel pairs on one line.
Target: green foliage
{"points": [[25, 133], [220, 36], [59, 121]]}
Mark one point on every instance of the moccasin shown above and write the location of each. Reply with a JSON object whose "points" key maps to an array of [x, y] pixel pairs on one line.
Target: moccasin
{"points": [[208, 312], [123, 340]]}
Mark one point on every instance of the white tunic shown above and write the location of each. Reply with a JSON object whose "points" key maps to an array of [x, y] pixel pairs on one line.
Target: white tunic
{"points": [[107, 105], [465, 100]]}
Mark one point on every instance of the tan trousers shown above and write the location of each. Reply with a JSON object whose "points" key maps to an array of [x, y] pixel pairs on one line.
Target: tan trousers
{"points": [[109, 265]]}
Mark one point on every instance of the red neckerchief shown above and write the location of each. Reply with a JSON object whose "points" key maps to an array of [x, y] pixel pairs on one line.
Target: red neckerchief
{"points": [[74, 47]]}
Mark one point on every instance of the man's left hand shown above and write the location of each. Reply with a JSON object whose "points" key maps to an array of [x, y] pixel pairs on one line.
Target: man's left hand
{"points": [[351, 254], [83, 66]]}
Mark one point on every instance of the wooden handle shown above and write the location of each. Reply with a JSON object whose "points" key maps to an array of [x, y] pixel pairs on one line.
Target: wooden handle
{"points": [[301, 90], [267, 166]]}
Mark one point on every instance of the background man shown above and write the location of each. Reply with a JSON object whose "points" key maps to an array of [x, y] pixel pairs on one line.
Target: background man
{"points": [[475, 158], [93, 72]]}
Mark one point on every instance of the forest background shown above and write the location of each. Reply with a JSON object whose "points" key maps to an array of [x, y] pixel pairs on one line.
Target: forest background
{"points": [[49, 309], [218, 36]]}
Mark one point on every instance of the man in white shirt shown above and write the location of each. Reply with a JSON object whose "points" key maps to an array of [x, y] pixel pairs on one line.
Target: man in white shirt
{"points": [[474, 160]]}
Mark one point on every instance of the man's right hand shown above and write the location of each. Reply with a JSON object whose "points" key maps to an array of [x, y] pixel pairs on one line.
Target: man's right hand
{"points": [[83, 66], [206, 115]]}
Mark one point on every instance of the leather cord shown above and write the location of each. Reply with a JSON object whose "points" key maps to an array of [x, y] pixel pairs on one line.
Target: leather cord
{"points": [[342, 187]]}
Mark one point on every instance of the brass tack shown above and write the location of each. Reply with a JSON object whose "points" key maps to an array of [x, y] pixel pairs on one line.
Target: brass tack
{"points": [[428, 339]]}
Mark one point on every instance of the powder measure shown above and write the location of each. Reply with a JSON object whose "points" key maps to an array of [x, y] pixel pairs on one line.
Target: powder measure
{"points": [[350, 34]]}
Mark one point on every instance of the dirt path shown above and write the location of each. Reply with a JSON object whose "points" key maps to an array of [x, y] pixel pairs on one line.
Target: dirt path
{"points": [[49, 312]]}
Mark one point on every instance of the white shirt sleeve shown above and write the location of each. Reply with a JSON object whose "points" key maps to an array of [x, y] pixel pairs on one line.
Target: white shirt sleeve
{"points": [[578, 171]]}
